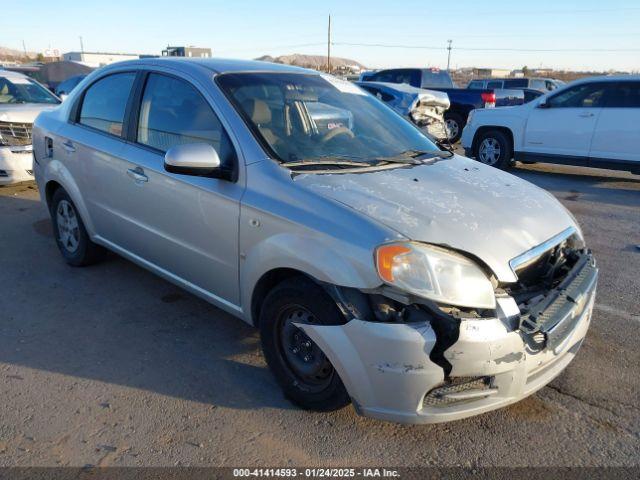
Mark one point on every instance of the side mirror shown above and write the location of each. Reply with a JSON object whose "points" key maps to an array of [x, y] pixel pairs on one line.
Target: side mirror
{"points": [[544, 104], [62, 96], [198, 159]]}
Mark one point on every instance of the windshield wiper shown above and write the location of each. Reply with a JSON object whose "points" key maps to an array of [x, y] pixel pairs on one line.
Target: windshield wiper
{"points": [[412, 157], [337, 161]]}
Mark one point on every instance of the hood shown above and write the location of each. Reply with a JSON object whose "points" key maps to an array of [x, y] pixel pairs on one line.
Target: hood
{"points": [[456, 202], [22, 112]]}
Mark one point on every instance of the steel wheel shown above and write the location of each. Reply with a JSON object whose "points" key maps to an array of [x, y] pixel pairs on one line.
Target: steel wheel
{"points": [[301, 355], [68, 229], [489, 151]]}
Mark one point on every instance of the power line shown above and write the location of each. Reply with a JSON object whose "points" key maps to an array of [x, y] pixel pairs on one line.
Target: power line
{"points": [[490, 49]]}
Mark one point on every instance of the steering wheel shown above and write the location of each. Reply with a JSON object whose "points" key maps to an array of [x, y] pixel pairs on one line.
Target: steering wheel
{"points": [[331, 134]]}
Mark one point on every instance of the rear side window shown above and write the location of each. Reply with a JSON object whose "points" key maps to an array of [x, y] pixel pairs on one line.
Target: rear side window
{"points": [[384, 96], [494, 84], [623, 95], [436, 79], [516, 83], [173, 112], [476, 84], [105, 102]]}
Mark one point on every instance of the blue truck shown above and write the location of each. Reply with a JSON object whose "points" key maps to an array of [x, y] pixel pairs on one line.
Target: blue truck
{"points": [[462, 100]]}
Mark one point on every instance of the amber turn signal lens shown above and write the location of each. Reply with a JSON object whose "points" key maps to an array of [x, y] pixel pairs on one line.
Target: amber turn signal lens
{"points": [[385, 256]]}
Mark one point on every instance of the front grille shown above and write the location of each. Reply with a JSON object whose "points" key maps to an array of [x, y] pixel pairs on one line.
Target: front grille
{"points": [[440, 396], [15, 134], [552, 318]]}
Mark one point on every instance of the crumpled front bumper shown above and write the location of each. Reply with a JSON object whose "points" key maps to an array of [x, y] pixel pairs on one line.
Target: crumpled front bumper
{"points": [[387, 370], [16, 164]]}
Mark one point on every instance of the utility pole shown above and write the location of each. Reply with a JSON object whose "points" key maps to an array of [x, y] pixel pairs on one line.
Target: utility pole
{"points": [[81, 45], [24, 47], [449, 56], [329, 46]]}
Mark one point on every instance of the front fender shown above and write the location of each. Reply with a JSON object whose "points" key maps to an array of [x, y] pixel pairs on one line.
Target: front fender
{"points": [[324, 259]]}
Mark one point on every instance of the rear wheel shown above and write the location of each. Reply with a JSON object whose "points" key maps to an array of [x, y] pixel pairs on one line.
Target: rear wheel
{"points": [[302, 370], [454, 123], [71, 236], [494, 148]]}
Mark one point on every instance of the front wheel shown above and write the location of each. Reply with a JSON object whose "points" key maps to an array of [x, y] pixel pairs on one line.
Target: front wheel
{"points": [[494, 148], [302, 370]]}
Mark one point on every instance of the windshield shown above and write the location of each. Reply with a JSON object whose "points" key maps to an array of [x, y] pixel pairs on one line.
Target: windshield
{"points": [[304, 117], [24, 90]]}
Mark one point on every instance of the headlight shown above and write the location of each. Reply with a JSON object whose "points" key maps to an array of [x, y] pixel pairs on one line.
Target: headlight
{"points": [[435, 273]]}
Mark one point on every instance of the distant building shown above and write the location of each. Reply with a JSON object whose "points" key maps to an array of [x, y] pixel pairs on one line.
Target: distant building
{"points": [[98, 59], [491, 72], [194, 52]]}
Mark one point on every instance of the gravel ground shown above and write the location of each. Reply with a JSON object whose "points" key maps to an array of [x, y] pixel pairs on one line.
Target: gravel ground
{"points": [[111, 365]]}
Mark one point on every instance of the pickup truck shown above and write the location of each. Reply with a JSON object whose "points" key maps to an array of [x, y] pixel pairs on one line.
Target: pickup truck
{"points": [[463, 100]]}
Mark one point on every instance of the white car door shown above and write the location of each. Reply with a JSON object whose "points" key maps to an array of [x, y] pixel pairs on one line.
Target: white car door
{"points": [[618, 129], [563, 125]]}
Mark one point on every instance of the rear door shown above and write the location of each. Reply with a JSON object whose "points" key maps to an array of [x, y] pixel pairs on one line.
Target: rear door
{"points": [[617, 133], [565, 127], [93, 144]]}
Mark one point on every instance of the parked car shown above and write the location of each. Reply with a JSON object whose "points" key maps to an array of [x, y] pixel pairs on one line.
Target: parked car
{"points": [[592, 122], [425, 108], [534, 83], [420, 285], [64, 88], [21, 100], [462, 100]]}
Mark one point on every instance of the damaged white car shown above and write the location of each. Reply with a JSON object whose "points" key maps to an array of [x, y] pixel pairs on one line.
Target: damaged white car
{"points": [[423, 107], [418, 285]]}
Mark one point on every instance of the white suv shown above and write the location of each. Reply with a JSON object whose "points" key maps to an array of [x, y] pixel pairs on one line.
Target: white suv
{"points": [[21, 100], [593, 122]]}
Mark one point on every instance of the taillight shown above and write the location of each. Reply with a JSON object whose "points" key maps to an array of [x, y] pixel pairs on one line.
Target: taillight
{"points": [[489, 99]]}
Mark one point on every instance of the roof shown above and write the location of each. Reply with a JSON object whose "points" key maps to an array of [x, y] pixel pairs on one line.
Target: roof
{"points": [[217, 65], [400, 87], [9, 74], [608, 78]]}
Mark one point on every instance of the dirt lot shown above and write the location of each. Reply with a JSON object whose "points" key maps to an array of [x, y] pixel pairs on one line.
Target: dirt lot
{"points": [[110, 365]]}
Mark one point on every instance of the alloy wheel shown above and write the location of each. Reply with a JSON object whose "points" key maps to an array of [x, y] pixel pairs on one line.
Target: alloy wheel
{"points": [[489, 151], [68, 228]]}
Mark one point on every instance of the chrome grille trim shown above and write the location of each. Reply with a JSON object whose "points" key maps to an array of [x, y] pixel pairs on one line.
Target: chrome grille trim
{"points": [[15, 134], [535, 252]]}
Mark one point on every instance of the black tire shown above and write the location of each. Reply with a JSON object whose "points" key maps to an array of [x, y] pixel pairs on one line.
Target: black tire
{"points": [[456, 121], [494, 148], [72, 239], [304, 300]]}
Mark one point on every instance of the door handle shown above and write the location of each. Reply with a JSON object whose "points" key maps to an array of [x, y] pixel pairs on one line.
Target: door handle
{"points": [[138, 175], [68, 146], [586, 115]]}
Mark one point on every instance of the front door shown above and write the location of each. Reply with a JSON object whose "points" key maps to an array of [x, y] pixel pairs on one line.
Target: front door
{"points": [[184, 225], [563, 126]]}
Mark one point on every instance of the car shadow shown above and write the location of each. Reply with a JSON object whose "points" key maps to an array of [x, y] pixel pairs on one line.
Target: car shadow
{"points": [[117, 323], [577, 184]]}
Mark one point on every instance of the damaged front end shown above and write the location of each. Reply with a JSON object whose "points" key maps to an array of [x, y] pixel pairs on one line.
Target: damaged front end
{"points": [[406, 359]]}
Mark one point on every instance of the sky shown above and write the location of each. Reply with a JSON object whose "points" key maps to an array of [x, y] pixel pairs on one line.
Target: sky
{"points": [[563, 34]]}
